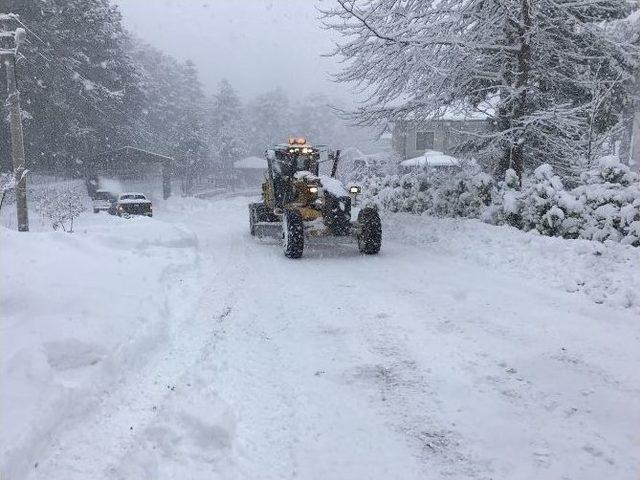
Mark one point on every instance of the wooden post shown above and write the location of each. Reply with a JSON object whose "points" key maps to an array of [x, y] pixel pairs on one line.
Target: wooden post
{"points": [[166, 179], [17, 141]]}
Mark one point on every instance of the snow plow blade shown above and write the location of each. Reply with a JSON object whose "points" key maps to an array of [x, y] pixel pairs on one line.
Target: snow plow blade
{"points": [[268, 229]]}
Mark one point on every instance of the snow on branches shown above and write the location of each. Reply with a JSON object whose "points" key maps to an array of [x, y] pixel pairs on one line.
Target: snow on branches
{"points": [[60, 207], [605, 206], [549, 75]]}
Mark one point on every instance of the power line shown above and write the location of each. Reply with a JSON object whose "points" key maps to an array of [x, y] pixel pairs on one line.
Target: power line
{"points": [[16, 18]]}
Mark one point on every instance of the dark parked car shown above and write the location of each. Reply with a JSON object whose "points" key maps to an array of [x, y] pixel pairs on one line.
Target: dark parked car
{"points": [[129, 204]]}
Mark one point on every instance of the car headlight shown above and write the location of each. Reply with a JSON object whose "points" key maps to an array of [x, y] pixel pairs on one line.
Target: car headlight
{"points": [[354, 189]]}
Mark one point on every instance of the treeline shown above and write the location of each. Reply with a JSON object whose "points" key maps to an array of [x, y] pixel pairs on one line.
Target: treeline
{"points": [[88, 86]]}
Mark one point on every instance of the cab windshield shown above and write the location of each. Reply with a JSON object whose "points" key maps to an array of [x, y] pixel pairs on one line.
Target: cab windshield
{"points": [[288, 164]]}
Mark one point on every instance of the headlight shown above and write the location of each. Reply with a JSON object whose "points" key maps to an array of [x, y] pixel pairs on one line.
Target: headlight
{"points": [[354, 189], [313, 189]]}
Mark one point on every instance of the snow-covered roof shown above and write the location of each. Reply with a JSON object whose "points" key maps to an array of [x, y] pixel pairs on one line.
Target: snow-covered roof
{"points": [[251, 163], [461, 112], [431, 158], [139, 153], [128, 201], [132, 193]]}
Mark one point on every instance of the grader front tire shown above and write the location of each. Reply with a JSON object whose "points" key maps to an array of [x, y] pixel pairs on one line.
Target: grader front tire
{"points": [[292, 234], [369, 231]]}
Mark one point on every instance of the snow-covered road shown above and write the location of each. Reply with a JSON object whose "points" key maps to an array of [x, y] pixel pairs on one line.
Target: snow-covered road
{"points": [[413, 364]]}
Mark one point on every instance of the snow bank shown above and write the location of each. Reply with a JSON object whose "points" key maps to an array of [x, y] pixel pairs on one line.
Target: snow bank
{"points": [[76, 308], [176, 204], [607, 273]]}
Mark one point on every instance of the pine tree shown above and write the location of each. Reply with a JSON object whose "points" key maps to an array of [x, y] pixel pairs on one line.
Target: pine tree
{"points": [[79, 84], [227, 128], [269, 119]]}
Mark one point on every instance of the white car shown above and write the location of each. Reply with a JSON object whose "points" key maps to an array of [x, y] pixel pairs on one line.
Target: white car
{"points": [[102, 201]]}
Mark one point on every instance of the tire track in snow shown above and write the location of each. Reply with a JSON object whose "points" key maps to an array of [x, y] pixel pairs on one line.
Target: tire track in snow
{"points": [[291, 422]]}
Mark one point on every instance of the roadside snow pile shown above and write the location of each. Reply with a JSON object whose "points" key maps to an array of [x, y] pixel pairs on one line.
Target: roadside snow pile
{"points": [[76, 309], [607, 273], [606, 206], [177, 204]]}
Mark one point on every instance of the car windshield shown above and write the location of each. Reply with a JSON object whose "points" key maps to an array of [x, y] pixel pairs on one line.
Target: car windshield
{"points": [[132, 197]]}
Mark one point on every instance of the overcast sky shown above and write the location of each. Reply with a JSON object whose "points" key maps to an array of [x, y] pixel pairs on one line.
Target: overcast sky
{"points": [[256, 44]]}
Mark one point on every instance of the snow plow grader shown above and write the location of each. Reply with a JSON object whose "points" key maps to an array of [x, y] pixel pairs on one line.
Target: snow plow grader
{"points": [[298, 203]]}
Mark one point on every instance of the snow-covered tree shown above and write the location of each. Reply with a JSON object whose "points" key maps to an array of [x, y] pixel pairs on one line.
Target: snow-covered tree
{"points": [[191, 149], [544, 71], [227, 127], [173, 121], [629, 29], [269, 120], [79, 84], [87, 86]]}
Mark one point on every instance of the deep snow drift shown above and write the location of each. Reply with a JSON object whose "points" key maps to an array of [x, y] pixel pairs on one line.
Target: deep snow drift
{"points": [[181, 347], [79, 311]]}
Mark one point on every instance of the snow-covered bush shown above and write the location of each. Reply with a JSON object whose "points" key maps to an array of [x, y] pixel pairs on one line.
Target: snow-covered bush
{"points": [[610, 199], [60, 207], [462, 192], [545, 205], [505, 207], [606, 206], [363, 167]]}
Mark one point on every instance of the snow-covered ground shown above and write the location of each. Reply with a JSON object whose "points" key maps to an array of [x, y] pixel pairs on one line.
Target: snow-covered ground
{"points": [[181, 347]]}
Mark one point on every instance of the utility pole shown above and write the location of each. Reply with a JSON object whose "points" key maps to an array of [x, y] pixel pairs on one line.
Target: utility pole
{"points": [[8, 59]]}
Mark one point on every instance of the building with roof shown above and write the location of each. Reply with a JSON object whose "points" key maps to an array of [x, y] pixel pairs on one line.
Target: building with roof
{"points": [[443, 132], [249, 172], [131, 168], [412, 138]]}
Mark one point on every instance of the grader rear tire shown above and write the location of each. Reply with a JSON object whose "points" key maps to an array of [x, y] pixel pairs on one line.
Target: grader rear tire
{"points": [[292, 234]]}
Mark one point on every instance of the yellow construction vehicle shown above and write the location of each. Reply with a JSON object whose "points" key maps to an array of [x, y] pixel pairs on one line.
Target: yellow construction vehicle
{"points": [[301, 203]]}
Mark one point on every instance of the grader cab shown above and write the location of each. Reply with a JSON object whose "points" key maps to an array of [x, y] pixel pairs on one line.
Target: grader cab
{"points": [[306, 204]]}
